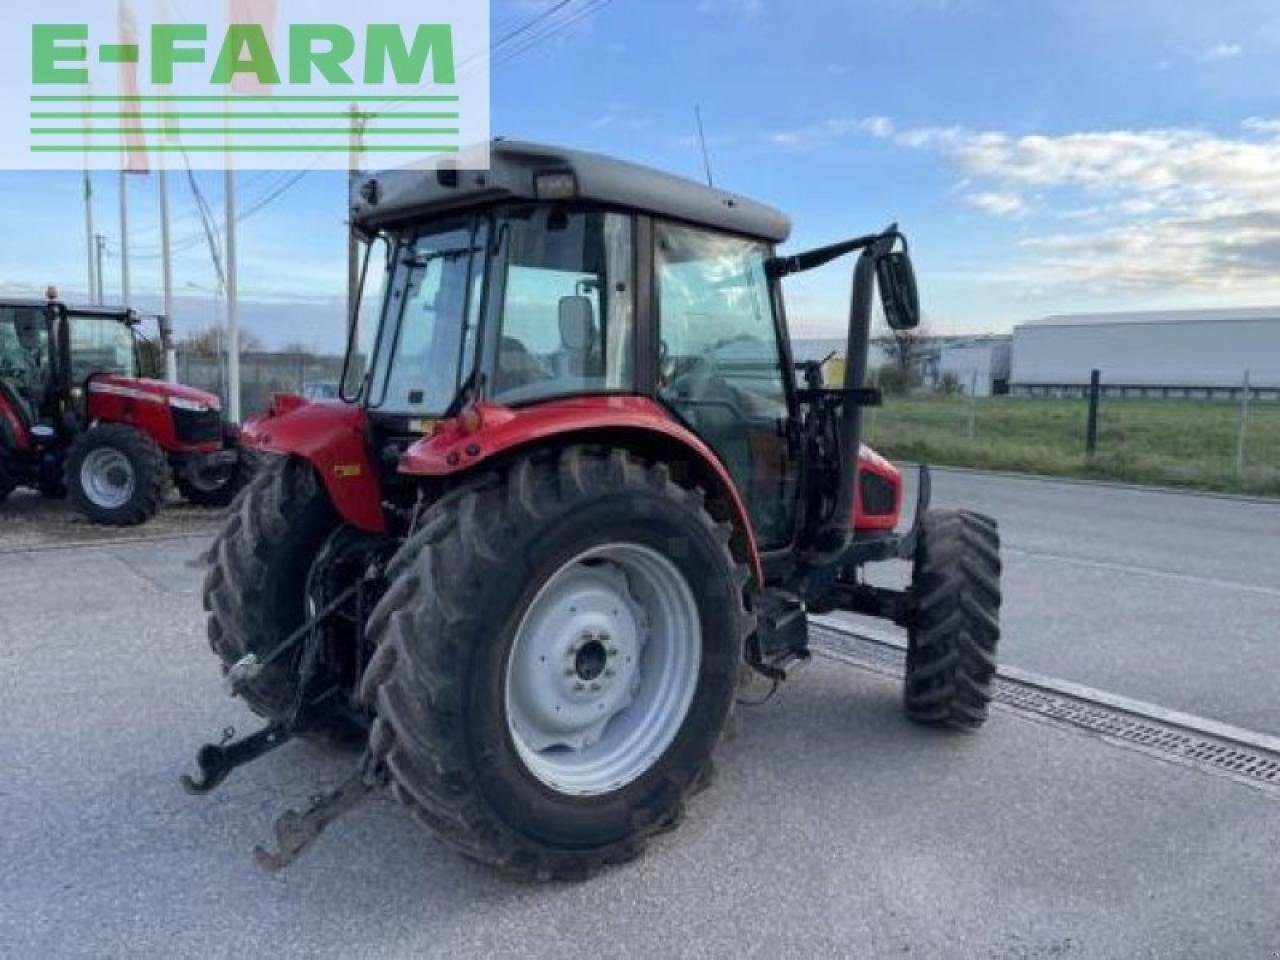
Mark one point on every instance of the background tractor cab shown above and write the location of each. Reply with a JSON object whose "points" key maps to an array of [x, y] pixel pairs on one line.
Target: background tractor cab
{"points": [[82, 414], [571, 486]]}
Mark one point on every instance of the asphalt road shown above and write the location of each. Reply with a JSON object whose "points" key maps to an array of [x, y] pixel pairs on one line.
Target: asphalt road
{"points": [[1165, 597], [835, 828]]}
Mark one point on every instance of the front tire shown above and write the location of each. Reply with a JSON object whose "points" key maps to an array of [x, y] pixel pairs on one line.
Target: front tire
{"points": [[955, 630], [117, 475], [489, 692]]}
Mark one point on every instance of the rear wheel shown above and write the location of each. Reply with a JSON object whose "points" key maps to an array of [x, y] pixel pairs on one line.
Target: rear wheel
{"points": [[556, 656], [117, 475], [952, 641], [256, 588]]}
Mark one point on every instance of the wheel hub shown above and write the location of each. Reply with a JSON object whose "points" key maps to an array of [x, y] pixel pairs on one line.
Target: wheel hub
{"points": [[106, 476], [602, 669]]}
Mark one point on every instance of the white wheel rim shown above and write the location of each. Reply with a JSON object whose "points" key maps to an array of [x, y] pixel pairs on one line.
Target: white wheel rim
{"points": [[603, 669], [107, 478]]}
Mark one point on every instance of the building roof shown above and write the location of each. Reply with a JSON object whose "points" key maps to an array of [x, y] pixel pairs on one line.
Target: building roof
{"points": [[410, 194], [1159, 316]]}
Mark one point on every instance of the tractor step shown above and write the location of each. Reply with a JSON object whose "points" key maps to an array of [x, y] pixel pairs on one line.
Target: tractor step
{"points": [[781, 639]]}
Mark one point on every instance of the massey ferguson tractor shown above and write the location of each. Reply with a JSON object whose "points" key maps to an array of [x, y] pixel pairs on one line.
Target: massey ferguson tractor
{"points": [[77, 418], [574, 495]]}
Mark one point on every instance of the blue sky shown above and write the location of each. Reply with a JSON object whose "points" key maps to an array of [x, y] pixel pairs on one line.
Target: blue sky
{"points": [[1044, 157]]}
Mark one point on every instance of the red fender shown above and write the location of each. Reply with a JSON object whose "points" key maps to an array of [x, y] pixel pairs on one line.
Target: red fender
{"points": [[330, 435], [488, 430]]}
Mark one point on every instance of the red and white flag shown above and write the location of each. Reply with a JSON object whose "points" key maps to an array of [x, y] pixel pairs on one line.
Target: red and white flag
{"points": [[260, 12], [136, 158]]}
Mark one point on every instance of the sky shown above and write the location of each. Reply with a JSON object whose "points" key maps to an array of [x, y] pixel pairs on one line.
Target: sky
{"points": [[1043, 156]]}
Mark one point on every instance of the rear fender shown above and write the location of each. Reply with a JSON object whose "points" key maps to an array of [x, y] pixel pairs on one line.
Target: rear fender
{"points": [[331, 436], [487, 432]]}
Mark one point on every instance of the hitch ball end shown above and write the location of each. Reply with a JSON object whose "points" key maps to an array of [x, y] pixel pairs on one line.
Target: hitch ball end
{"points": [[243, 671]]}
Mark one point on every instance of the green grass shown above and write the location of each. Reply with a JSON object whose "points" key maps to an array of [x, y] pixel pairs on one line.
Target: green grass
{"points": [[1177, 443]]}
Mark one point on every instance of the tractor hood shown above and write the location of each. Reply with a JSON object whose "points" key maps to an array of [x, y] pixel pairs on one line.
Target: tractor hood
{"points": [[156, 391]]}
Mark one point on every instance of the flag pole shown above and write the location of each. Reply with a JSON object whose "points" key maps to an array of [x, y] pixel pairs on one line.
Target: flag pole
{"points": [[125, 290]]}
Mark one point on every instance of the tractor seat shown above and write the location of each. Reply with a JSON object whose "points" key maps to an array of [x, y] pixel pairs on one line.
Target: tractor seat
{"points": [[577, 358]]}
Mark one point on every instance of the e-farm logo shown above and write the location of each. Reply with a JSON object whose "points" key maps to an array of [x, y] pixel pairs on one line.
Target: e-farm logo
{"points": [[270, 84]]}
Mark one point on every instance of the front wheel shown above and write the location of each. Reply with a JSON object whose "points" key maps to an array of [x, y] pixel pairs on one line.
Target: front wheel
{"points": [[117, 475], [557, 653], [955, 628]]}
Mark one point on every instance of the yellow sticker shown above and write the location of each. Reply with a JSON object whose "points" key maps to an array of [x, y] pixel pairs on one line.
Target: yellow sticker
{"points": [[347, 471]]}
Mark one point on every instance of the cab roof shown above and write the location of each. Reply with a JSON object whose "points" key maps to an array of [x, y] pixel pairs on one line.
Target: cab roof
{"points": [[392, 198]]}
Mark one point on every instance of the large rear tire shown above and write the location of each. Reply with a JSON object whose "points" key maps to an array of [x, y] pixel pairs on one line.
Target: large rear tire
{"points": [[117, 475], [556, 657], [256, 587], [952, 641]]}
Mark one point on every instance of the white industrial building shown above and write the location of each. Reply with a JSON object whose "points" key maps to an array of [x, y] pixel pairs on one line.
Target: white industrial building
{"points": [[1178, 353], [979, 364]]}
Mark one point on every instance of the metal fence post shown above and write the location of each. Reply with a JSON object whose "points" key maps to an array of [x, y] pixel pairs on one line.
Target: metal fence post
{"points": [[973, 401], [1243, 429], [1095, 394]]}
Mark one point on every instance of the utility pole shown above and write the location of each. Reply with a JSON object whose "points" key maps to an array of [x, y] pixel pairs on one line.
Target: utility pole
{"points": [[100, 243], [166, 269], [126, 292], [353, 176], [233, 305], [89, 241]]}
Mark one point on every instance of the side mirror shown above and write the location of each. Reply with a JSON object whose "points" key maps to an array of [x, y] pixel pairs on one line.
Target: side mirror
{"points": [[898, 293]]}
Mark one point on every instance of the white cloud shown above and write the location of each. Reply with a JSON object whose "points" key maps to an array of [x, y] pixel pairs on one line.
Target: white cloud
{"points": [[808, 138], [996, 202], [1154, 210], [748, 9], [1222, 51]]}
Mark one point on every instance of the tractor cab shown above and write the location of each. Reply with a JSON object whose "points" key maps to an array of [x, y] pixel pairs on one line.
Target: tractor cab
{"points": [[571, 488]]}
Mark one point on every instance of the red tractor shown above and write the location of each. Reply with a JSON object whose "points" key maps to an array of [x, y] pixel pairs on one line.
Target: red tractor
{"points": [[574, 493], [78, 418]]}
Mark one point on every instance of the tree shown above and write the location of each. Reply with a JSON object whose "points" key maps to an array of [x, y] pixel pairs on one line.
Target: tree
{"points": [[906, 350], [211, 341]]}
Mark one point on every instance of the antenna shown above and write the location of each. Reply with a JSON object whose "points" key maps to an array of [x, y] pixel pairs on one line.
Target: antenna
{"points": [[702, 139]]}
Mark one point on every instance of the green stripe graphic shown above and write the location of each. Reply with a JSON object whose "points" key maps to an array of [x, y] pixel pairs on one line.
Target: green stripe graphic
{"points": [[244, 148], [264, 98], [236, 131], [263, 115]]}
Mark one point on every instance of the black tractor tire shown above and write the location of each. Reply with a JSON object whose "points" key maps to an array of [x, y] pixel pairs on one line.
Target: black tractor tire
{"points": [[203, 494], [955, 626], [151, 477], [255, 590], [444, 632]]}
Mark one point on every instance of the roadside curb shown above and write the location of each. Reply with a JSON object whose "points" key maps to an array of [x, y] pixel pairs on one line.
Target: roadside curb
{"points": [[1112, 484]]}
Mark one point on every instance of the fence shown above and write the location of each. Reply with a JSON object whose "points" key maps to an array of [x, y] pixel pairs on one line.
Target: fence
{"points": [[261, 374], [1220, 439]]}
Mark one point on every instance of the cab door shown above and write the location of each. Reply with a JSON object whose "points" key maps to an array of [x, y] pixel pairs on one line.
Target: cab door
{"points": [[722, 367]]}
